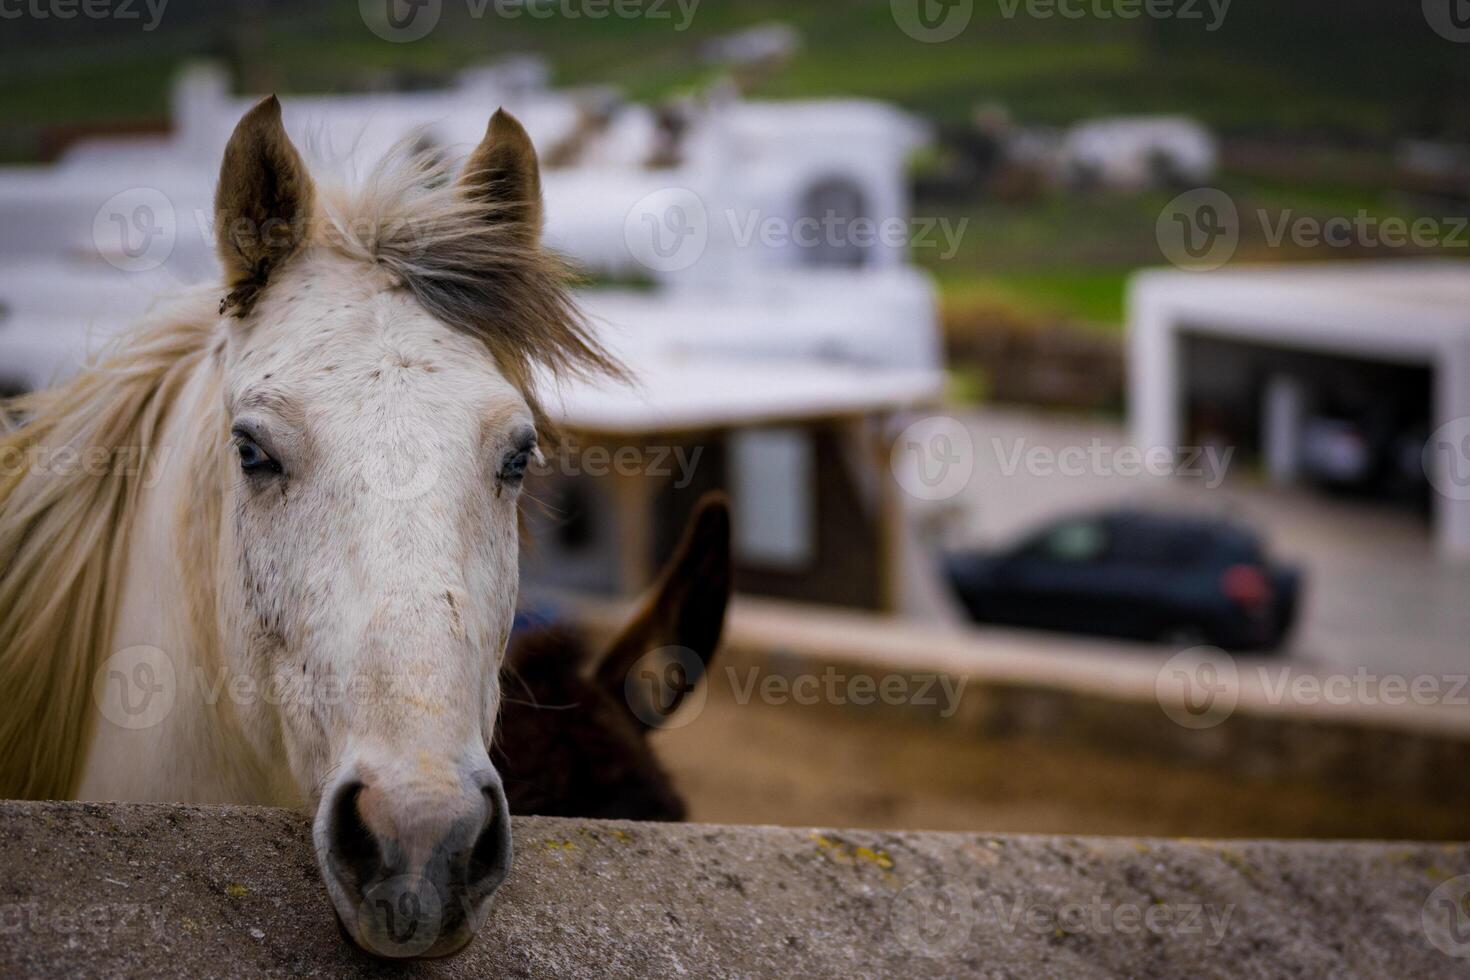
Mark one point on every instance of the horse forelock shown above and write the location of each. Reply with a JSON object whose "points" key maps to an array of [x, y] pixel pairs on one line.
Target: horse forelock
{"points": [[467, 260]]}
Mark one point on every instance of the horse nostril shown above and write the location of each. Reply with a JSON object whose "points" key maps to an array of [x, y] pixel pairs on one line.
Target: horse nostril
{"points": [[354, 846], [410, 875], [490, 857]]}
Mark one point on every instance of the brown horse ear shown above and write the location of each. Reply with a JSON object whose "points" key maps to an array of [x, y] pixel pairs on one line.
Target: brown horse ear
{"points": [[684, 608], [262, 206], [502, 173]]}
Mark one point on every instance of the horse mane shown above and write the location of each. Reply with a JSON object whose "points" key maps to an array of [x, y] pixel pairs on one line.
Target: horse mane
{"points": [[64, 532], [64, 528], [470, 260]]}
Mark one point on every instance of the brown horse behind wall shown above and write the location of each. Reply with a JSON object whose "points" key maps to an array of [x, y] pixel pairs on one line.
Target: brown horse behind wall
{"points": [[581, 730]]}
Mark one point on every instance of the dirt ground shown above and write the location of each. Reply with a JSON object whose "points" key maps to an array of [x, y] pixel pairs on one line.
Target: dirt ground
{"points": [[798, 766]]}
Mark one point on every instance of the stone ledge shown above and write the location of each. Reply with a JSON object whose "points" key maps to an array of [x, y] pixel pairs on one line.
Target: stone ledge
{"points": [[188, 891], [1101, 695]]}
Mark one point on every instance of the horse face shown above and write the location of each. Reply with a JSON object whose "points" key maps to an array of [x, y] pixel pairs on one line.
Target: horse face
{"points": [[371, 543], [369, 566]]}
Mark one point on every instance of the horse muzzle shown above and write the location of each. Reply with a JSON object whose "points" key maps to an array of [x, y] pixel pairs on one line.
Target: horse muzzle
{"points": [[411, 873]]}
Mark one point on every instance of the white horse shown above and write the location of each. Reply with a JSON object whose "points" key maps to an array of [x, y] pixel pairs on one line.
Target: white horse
{"points": [[265, 551]]}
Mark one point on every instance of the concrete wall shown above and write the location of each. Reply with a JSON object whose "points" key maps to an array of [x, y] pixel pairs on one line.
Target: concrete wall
{"points": [[155, 890], [1047, 734]]}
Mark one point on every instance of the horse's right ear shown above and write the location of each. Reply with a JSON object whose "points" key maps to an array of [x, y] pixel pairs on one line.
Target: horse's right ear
{"points": [[684, 608], [262, 207], [503, 175]]}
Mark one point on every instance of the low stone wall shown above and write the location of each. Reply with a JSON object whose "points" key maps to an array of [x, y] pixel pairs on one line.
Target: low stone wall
{"points": [[1264, 766], [161, 890]]}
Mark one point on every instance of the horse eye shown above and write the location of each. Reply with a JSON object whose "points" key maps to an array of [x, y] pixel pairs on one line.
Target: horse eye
{"points": [[513, 466], [253, 459]]}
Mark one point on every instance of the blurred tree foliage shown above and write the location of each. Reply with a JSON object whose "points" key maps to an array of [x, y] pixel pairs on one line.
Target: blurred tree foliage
{"points": [[1380, 54]]}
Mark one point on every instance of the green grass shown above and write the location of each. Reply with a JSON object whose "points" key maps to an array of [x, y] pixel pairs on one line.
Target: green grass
{"points": [[1091, 297], [1049, 70], [1068, 257]]}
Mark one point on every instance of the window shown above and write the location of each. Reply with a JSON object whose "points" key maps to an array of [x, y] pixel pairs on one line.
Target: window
{"points": [[837, 205], [1075, 541]]}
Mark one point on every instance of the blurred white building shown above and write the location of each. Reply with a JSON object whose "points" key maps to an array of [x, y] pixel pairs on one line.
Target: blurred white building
{"points": [[1353, 375], [116, 218], [753, 267]]}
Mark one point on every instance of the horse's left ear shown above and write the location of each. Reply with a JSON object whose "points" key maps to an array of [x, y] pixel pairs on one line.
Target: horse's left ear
{"points": [[262, 207], [684, 608], [503, 174]]}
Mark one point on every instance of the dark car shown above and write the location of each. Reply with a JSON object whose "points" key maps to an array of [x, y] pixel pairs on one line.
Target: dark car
{"points": [[1178, 579]]}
